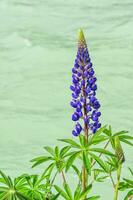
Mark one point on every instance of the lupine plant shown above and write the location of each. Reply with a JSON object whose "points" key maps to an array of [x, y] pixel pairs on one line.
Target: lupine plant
{"points": [[93, 153]]}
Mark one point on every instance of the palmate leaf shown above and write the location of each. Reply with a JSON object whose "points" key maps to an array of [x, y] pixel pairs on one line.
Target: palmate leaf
{"points": [[71, 159], [34, 188], [20, 181]]}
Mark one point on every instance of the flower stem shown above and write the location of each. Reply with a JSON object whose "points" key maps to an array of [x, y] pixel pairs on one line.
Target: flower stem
{"points": [[118, 181], [86, 132]]}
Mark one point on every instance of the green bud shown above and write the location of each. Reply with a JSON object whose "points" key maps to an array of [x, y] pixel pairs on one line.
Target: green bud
{"points": [[118, 150], [81, 39]]}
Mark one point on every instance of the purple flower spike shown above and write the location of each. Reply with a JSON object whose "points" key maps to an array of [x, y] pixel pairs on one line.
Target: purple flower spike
{"points": [[84, 89]]}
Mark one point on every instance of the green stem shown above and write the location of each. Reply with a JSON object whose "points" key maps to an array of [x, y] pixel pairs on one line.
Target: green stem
{"points": [[101, 153], [53, 180], [63, 176], [110, 175], [118, 182]]}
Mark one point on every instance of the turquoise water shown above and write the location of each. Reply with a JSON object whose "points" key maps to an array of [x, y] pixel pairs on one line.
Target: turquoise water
{"points": [[37, 50]]}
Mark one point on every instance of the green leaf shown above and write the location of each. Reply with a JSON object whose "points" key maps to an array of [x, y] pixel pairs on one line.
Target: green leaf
{"points": [[87, 190], [127, 137], [49, 150], [126, 141], [82, 140], [77, 192], [100, 162], [57, 151], [101, 130], [87, 162], [64, 150], [6, 179], [21, 196], [108, 132], [97, 140], [103, 151], [129, 195], [62, 193], [102, 178], [93, 198], [55, 197], [77, 171], [48, 170], [40, 160], [71, 142], [123, 186], [68, 191], [130, 182], [131, 171], [113, 163], [120, 133], [3, 189], [71, 159]]}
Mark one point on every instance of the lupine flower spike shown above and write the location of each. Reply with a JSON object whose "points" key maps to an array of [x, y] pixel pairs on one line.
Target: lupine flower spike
{"points": [[84, 101]]}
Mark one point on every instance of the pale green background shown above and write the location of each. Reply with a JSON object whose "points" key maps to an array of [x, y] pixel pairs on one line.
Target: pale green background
{"points": [[37, 51]]}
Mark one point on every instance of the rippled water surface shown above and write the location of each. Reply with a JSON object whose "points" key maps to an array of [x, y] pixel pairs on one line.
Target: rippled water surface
{"points": [[37, 50]]}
